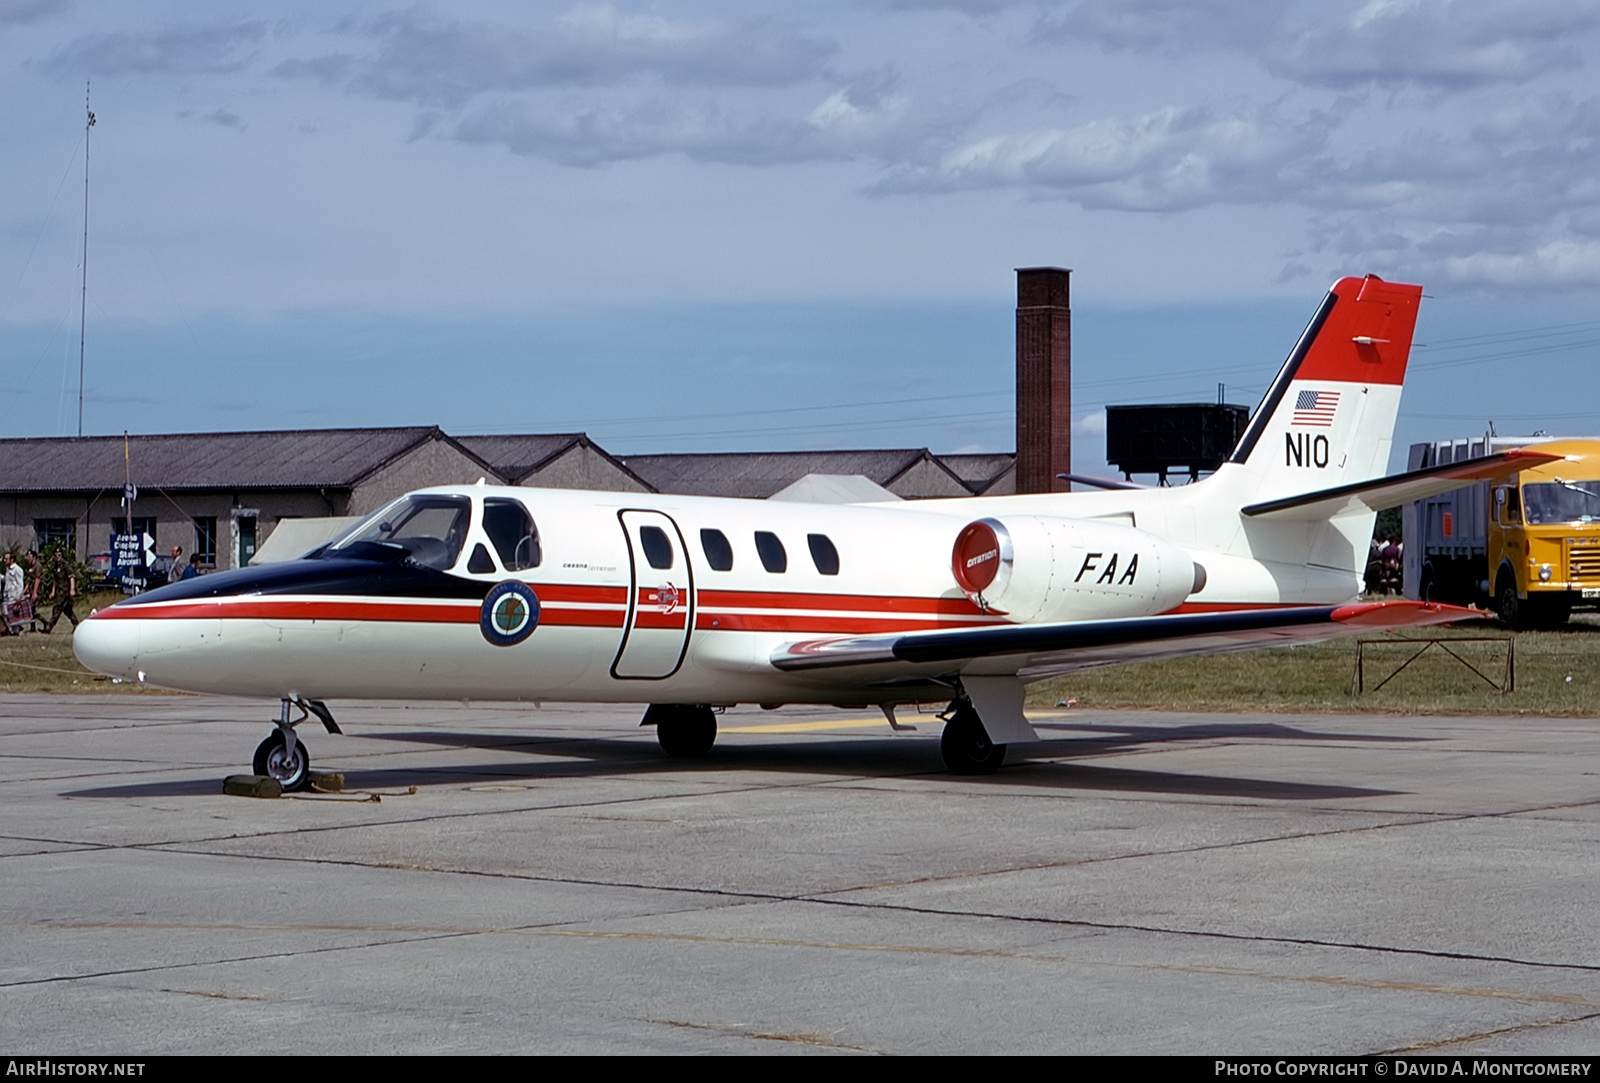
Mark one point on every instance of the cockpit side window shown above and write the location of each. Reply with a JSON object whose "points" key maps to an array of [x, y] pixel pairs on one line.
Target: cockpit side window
{"points": [[428, 529], [513, 533]]}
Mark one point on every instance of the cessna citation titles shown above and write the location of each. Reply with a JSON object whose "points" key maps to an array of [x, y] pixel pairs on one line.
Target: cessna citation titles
{"points": [[688, 603]]}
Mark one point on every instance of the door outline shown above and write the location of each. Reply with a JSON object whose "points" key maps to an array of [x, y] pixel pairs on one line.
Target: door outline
{"points": [[631, 519]]}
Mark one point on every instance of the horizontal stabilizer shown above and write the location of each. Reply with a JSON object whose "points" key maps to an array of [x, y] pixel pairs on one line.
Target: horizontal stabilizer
{"points": [[1036, 651], [1368, 496]]}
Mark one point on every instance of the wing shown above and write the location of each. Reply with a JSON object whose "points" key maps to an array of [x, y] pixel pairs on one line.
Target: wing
{"points": [[1365, 496], [1033, 652]]}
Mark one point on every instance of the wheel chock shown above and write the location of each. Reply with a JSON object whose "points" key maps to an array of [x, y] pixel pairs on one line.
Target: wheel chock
{"points": [[325, 782], [252, 786]]}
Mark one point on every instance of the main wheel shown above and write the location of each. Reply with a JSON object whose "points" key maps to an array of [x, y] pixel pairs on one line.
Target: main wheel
{"points": [[683, 729], [966, 747], [272, 760]]}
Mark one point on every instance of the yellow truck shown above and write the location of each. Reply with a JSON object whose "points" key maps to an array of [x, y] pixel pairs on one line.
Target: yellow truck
{"points": [[1528, 547]]}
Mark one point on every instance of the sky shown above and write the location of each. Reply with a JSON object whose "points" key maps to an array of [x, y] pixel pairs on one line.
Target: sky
{"points": [[710, 226]]}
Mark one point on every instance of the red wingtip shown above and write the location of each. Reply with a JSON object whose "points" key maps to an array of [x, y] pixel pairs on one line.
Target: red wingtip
{"points": [[1402, 614]]}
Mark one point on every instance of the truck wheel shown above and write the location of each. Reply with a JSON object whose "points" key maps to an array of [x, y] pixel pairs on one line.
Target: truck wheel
{"points": [[1427, 592], [1514, 612]]}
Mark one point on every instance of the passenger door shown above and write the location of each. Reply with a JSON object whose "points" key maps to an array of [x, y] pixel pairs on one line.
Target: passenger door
{"points": [[655, 635]]}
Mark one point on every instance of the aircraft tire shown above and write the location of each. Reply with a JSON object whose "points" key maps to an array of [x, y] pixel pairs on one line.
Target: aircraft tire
{"points": [[966, 747], [291, 772], [685, 730]]}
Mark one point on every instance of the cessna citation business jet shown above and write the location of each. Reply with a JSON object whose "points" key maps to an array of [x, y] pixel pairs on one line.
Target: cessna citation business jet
{"points": [[689, 603]]}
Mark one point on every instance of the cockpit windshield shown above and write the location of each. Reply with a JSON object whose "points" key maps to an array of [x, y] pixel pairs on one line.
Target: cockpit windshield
{"points": [[426, 530], [1562, 502]]}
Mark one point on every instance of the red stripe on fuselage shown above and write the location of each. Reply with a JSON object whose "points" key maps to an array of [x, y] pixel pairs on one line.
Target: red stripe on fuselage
{"points": [[877, 613], [821, 624], [762, 599], [292, 609]]}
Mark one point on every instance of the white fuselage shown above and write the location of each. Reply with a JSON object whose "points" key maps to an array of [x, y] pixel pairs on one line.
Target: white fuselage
{"points": [[610, 627]]}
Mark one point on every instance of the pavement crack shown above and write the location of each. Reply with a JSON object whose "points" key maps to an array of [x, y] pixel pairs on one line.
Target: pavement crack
{"points": [[1481, 1036], [822, 899]]}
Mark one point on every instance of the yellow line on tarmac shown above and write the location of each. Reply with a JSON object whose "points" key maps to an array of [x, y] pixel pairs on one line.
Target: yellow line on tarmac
{"points": [[809, 727], [857, 723]]}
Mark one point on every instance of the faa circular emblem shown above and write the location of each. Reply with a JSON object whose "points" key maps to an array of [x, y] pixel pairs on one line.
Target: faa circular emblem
{"points": [[509, 615]]}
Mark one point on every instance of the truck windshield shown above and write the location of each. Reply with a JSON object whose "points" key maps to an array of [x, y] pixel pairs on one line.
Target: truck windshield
{"points": [[428, 530], [1561, 502]]}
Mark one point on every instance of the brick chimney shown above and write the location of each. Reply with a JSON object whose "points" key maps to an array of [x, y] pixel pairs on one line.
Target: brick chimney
{"points": [[1044, 379]]}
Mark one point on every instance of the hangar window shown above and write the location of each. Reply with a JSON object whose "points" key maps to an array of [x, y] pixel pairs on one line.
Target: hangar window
{"points": [[47, 532], [823, 554], [657, 549], [205, 538], [770, 549], [511, 529], [719, 554]]}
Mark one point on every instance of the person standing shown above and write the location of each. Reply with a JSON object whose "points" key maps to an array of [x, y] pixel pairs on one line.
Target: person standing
{"points": [[34, 574], [175, 569], [12, 587], [62, 590]]}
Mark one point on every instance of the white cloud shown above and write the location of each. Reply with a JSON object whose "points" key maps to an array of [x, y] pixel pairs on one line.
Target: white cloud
{"points": [[17, 12], [441, 62], [1171, 159], [177, 50], [1166, 25], [1441, 43]]}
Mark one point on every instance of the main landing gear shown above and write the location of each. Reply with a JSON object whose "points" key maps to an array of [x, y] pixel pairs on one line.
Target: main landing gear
{"points": [[283, 756], [683, 729], [965, 744]]}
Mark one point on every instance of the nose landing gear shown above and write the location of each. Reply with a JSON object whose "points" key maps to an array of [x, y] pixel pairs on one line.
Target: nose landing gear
{"points": [[283, 756]]}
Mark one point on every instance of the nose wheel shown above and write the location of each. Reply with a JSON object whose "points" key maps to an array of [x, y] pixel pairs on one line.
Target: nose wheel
{"points": [[283, 756], [291, 767]]}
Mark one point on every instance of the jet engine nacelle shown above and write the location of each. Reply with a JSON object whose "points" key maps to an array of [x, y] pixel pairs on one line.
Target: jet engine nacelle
{"points": [[1036, 568]]}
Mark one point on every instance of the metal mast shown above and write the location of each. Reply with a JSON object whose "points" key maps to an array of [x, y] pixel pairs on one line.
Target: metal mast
{"points": [[83, 307]]}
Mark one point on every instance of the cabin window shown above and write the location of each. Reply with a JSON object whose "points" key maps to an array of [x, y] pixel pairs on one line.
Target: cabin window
{"points": [[657, 549], [719, 554], [823, 554], [770, 550], [511, 529]]}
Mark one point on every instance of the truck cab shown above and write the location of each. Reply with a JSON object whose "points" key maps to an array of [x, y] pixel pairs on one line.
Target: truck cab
{"points": [[1529, 547]]}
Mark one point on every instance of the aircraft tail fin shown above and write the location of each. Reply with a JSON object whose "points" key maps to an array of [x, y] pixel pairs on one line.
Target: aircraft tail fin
{"points": [[1328, 418]]}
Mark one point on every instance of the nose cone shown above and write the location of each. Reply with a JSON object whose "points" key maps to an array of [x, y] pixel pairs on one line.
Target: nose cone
{"points": [[108, 646]]}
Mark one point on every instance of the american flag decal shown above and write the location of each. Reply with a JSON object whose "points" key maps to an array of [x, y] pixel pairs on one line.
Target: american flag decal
{"points": [[1315, 409]]}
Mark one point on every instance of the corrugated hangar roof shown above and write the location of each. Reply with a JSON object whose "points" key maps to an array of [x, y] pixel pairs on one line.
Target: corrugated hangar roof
{"points": [[978, 472], [760, 474], [515, 454], [305, 458]]}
